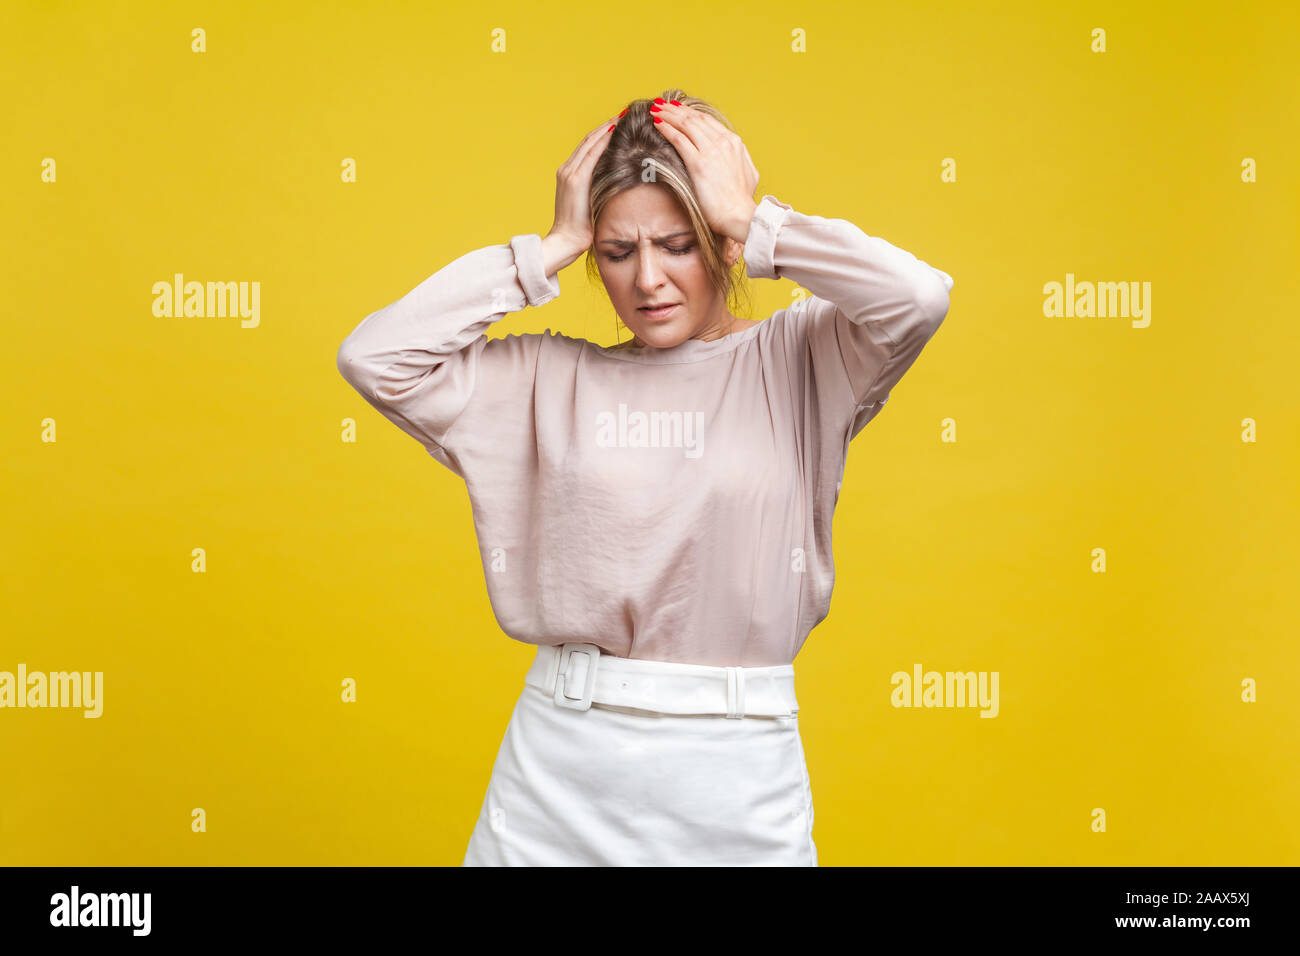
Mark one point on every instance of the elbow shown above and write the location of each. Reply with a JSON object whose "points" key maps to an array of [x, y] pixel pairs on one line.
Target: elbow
{"points": [[932, 300], [345, 361], [352, 366]]}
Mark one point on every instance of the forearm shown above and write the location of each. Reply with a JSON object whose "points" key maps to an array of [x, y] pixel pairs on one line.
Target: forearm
{"points": [[874, 283], [558, 251], [872, 310], [737, 224], [410, 359]]}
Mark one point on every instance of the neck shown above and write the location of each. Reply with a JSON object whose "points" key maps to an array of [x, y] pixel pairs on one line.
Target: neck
{"points": [[729, 324]]}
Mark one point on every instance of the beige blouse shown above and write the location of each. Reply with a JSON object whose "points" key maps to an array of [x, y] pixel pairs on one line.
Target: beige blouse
{"points": [[665, 504]]}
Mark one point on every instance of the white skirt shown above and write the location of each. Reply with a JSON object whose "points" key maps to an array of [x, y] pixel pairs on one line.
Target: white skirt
{"points": [[611, 761]]}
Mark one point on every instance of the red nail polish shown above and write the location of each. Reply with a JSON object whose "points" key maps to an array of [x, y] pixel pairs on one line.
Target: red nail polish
{"points": [[610, 127], [654, 109], [659, 101], [676, 103], [624, 111], [658, 120]]}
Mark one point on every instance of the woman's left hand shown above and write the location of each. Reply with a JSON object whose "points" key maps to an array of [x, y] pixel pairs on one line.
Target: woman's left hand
{"points": [[719, 166]]}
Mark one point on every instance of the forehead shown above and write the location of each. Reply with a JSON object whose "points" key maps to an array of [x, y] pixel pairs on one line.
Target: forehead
{"points": [[642, 211]]}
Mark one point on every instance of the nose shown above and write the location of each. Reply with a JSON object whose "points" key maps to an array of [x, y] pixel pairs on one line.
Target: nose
{"points": [[649, 274]]}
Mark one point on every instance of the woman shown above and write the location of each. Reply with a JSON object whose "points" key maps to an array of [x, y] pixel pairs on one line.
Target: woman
{"points": [[654, 516]]}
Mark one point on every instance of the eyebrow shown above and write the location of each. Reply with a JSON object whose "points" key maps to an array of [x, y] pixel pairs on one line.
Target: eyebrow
{"points": [[629, 242]]}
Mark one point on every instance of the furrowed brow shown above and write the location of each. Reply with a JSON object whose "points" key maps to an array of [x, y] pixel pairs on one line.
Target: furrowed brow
{"points": [[629, 242]]}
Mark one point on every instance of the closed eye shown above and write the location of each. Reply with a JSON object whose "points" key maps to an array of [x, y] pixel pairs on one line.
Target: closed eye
{"points": [[676, 252]]}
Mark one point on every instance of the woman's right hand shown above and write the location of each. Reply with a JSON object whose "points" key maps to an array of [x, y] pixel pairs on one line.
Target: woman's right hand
{"points": [[572, 225]]}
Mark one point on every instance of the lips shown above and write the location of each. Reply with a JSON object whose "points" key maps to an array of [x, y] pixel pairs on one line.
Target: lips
{"points": [[658, 313]]}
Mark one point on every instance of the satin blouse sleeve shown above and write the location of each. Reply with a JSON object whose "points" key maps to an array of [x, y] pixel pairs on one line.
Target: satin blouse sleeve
{"points": [[872, 310], [425, 360]]}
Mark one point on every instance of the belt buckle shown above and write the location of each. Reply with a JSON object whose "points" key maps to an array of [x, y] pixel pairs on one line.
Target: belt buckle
{"points": [[567, 665], [735, 692]]}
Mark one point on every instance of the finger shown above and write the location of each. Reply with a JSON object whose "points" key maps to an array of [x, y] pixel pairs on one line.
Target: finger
{"points": [[596, 145], [589, 141], [705, 131], [681, 142]]}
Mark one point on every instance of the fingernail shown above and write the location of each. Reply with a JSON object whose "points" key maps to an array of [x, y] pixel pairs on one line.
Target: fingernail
{"points": [[659, 101], [658, 120], [611, 126], [675, 103], [654, 109], [624, 111]]}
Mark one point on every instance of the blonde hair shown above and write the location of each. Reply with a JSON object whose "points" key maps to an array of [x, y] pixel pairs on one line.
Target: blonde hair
{"points": [[636, 145]]}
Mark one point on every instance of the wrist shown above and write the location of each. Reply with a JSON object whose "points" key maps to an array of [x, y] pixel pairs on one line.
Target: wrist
{"points": [[559, 250], [737, 224]]}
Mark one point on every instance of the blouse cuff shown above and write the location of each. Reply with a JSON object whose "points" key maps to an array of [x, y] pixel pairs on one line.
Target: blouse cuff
{"points": [[768, 217], [538, 287]]}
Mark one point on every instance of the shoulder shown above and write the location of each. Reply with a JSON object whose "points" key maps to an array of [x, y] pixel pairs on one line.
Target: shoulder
{"points": [[794, 321], [534, 342]]}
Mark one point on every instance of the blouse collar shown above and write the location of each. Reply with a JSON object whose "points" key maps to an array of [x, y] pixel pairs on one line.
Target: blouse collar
{"points": [[689, 350]]}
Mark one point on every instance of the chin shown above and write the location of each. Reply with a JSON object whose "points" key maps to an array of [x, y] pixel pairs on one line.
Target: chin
{"points": [[661, 335]]}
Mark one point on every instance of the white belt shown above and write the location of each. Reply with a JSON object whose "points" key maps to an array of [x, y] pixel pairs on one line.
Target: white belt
{"points": [[578, 675]]}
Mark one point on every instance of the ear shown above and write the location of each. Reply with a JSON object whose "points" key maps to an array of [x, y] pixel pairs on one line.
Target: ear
{"points": [[732, 251]]}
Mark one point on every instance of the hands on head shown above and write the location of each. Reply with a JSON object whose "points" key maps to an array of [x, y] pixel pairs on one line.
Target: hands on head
{"points": [[719, 164], [716, 158]]}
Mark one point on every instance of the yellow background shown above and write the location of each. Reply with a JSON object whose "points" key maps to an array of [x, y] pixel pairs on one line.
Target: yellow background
{"points": [[329, 560]]}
